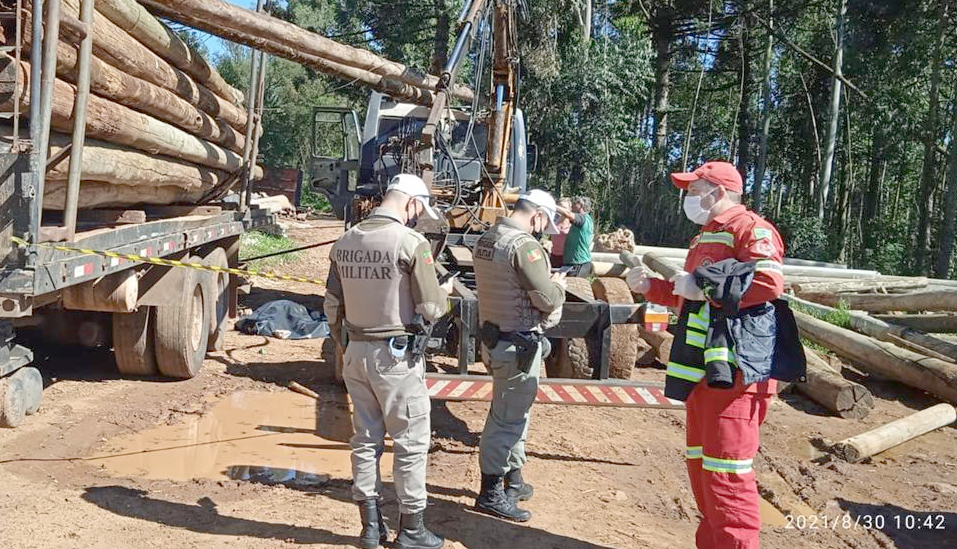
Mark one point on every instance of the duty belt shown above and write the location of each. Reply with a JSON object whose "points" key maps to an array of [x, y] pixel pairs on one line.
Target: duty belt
{"points": [[526, 343]]}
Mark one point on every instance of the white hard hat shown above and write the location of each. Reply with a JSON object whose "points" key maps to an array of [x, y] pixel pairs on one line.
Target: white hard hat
{"points": [[546, 203], [413, 186]]}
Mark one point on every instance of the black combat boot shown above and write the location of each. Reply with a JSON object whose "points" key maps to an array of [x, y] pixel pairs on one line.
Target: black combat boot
{"points": [[414, 535], [374, 530], [516, 488], [493, 501]]}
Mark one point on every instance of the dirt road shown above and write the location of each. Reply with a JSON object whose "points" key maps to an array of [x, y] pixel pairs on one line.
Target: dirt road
{"points": [[233, 459]]}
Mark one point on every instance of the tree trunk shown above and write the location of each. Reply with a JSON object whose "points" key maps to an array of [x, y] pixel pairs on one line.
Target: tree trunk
{"points": [[867, 444], [287, 40], [114, 46], [930, 323], [935, 376], [134, 19], [834, 116], [872, 199], [586, 19], [117, 124], [928, 174], [663, 33], [440, 50], [948, 230], [744, 106], [117, 176], [828, 388], [758, 196], [115, 85], [928, 300]]}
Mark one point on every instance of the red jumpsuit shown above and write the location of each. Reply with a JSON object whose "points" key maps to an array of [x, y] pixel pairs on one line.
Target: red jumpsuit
{"points": [[722, 427]]}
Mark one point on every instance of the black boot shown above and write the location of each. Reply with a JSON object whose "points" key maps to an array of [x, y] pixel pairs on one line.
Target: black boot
{"points": [[516, 488], [374, 530], [493, 501], [414, 535]]}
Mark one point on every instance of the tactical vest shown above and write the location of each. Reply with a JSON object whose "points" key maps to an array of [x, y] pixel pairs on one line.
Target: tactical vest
{"points": [[502, 300], [376, 292], [689, 352]]}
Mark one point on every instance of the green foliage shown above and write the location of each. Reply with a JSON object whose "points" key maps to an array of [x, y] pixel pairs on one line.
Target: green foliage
{"points": [[314, 200], [256, 243], [840, 316]]}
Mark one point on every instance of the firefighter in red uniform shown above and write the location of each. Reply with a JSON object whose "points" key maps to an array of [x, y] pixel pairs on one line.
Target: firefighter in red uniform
{"points": [[722, 424]]}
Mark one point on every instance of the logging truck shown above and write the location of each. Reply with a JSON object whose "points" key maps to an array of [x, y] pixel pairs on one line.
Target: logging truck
{"points": [[476, 159], [119, 145]]}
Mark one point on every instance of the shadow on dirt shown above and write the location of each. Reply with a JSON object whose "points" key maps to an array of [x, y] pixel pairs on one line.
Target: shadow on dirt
{"points": [[203, 517], [908, 529]]}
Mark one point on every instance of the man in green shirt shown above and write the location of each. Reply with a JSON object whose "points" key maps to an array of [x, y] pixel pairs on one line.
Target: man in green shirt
{"points": [[578, 243]]}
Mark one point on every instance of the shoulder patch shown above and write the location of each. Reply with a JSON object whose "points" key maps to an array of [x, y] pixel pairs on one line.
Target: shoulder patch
{"points": [[427, 257], [533, 255], [762, 232], [764, 248]]}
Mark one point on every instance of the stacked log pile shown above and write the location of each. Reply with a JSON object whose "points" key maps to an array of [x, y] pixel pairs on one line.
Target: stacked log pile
{"points": [[615, 242], [162, 126]]}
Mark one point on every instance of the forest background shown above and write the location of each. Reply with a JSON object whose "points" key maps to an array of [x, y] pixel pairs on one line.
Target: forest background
{"points": [[841, 114]]}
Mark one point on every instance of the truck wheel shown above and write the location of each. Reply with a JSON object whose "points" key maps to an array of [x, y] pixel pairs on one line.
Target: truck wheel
{"points": [[182, 327], [32, 384], [571, 357], [13, 406], [219, 301], [624, 337], [133, 347]]}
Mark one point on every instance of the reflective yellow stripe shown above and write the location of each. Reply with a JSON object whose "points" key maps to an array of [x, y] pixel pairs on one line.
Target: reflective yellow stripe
{"points": [[693, 452], [702, 319], [769, 265], [686, 373], [719, 353], [735, 466], [717, 238], [695, 339]]}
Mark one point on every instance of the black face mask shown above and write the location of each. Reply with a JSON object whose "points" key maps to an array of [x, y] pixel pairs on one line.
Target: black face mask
{"points": [[413, 219]]}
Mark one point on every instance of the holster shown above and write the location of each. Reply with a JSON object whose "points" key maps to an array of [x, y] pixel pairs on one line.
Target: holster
{"points": [[526, 347], [489, 334]]}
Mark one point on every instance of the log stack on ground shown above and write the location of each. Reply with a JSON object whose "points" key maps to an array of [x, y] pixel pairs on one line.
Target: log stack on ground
{"points": [[935, 376], [162, 125], [617, 241]]}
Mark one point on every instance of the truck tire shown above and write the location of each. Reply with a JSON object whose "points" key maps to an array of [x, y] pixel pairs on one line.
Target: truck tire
{"points": [[13, 406], [219, 301], [571, 357], [181, 330], [133, 342], [624, 337], [32, 384]]}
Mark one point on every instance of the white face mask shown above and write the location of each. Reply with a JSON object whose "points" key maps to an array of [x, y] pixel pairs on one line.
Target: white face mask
{"points": [[694, 211]]}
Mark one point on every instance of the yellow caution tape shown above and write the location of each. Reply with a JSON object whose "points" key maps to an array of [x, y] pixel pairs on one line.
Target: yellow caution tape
{"points": [[169, 262]]}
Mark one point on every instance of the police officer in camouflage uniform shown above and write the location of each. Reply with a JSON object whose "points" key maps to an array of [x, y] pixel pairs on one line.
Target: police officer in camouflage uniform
{"points": [[382, 275], [518, 299]]}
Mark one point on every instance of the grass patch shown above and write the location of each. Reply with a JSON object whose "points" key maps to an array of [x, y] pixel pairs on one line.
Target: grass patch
{"points": [[255, 243], [840, 316]]}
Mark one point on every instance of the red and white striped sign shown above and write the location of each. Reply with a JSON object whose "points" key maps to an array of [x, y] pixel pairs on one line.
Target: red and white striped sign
{"points": [[584, 393]]}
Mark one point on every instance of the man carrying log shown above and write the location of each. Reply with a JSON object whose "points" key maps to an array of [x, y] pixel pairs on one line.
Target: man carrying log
{"points": [[732, 350]]}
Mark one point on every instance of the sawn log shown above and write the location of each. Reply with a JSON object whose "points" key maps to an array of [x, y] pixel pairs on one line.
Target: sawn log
{"points": [[933, 375], [831, 390], [867, 444]]}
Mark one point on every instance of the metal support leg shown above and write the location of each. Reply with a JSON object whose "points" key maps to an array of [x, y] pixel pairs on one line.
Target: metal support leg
{"points": [[41, 139], [79, 123]]}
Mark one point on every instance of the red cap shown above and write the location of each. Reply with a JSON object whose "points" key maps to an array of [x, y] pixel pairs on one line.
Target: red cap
{"points": [[722, 174]]}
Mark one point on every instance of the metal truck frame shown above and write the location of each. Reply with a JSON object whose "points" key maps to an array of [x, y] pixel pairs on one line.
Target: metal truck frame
{"points": [[180, 308]]}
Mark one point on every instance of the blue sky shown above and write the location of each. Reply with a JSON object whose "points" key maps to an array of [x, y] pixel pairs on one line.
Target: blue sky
{"points": [[215, 44]]}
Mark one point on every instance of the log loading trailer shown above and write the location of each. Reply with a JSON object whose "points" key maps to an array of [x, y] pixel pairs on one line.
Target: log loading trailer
{"points": [[476, 159], [159, 320]]}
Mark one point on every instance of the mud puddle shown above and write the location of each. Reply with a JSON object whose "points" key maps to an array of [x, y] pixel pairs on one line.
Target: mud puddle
{"points": [[269, 438], [770, 515]]}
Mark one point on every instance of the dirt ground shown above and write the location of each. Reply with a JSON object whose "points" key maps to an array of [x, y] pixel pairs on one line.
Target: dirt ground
{"points": [[604, 477]]}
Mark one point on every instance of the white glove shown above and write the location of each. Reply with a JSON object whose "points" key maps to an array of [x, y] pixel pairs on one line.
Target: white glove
{"points": [[638, 281], [687, 287]]}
